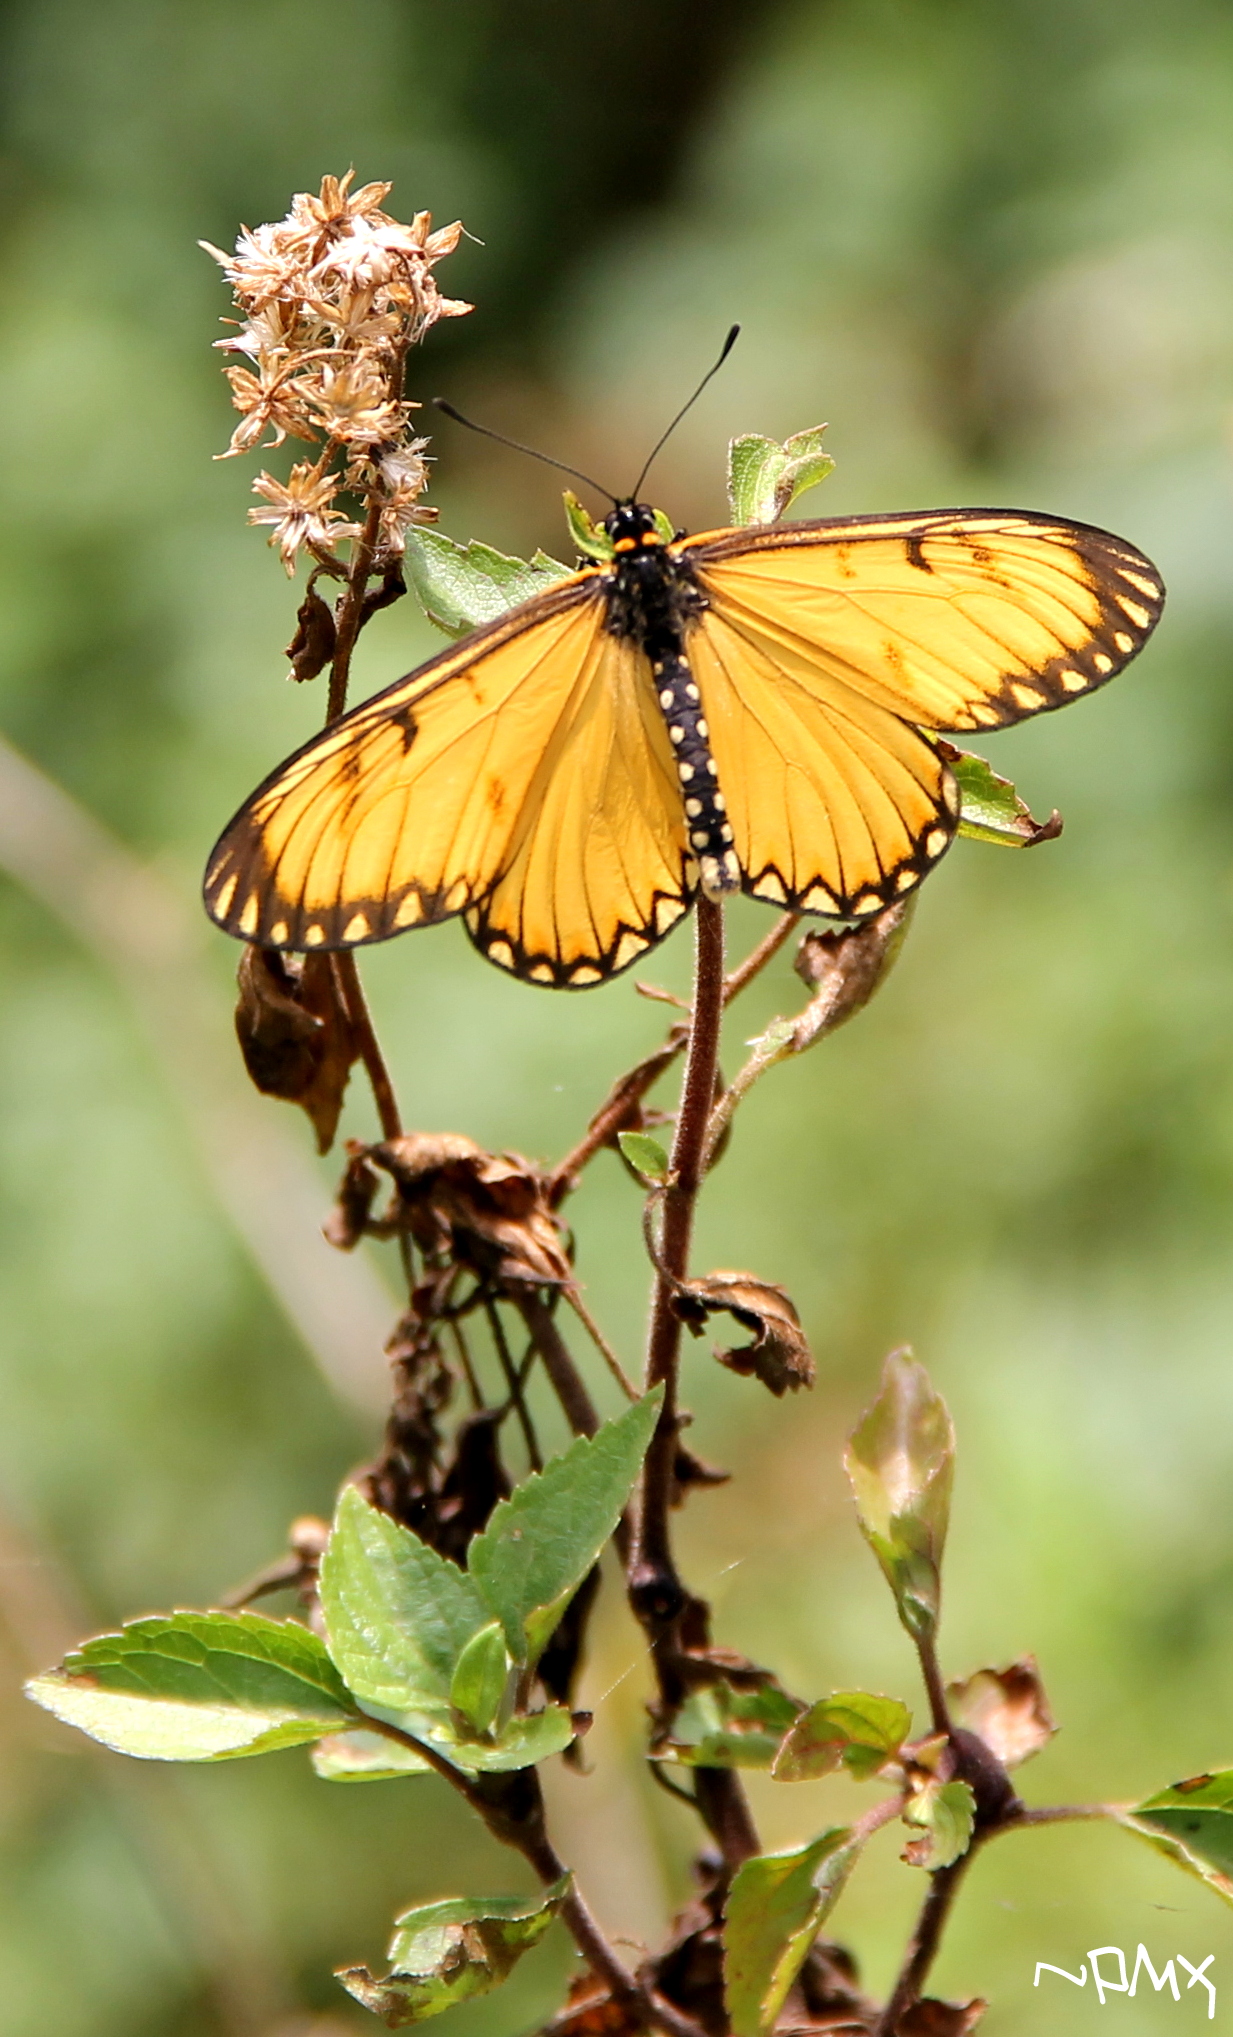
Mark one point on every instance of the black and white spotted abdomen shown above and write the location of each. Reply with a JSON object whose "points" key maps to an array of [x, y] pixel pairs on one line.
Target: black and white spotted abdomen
{"points": [[706, 817]]}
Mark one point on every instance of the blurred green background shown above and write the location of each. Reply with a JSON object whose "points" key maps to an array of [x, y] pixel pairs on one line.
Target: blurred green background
{"points": [[991, 241]]}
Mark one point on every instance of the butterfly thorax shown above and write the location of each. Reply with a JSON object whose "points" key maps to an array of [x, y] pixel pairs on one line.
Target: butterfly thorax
{"points": [[651, 595]]}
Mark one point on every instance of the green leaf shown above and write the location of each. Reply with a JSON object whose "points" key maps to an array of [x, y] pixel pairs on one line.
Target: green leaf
{"points": [[991, 809], [1192, 1822], [646, 1156], [590, 538], [945, 1814], [776, 1907], [397, 1615], [364, 1756], [539, 1544], [461, 586], [764, 478], [528, 1738], [853, 1729], [719, 1727], [480, 1677], [901, 1463], [199, 1687], [449, 1952]]}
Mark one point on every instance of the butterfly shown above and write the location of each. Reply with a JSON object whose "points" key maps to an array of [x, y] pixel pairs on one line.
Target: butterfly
{"points": [[742, 711]]}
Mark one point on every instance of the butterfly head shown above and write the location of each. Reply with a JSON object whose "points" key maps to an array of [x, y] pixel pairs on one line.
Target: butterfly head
{"points": [[634, 527]]}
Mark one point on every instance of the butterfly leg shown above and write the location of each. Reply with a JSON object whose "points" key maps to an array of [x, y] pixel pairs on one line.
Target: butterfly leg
{"points": [[710, 831]]}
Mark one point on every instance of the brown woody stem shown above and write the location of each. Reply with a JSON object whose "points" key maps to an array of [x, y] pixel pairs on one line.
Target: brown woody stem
{"points": [[351, 990], [653, 1581], [567, 1381], [931, 1671], [922, 1949]]}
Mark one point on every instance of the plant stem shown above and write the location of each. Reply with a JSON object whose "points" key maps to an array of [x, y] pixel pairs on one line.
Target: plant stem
{"points": [[350, 611], [566, 1379], [922, 1950], [653, 1581], [1058, 1814], [351, 991], [931, 1671]]}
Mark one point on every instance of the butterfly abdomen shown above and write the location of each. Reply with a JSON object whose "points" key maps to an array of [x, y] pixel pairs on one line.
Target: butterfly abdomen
{"points": [[652, 598]]}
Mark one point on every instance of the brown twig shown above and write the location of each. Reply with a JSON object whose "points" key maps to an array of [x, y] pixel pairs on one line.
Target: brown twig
{"points": [[619, 1110], [935, 1687], [512, 1380], [924, 1942], [351, 991], [567, 1381], [655, 1588]]}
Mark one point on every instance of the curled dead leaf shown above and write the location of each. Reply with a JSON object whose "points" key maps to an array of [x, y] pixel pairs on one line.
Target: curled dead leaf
{"points": [[931, 2018], [486, 1211], [844, 967], [778, 1354], [1006, 1708], [295, 1034], [312, 646]]}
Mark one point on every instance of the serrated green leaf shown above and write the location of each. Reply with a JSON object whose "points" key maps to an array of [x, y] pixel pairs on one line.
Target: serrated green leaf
{"points": [[461, 586], [449, 1952], [901, 1463], [777, 1904], [991, 809], [364, 1756], [529, 1737], [719, 1727], [765, 478], [590, 538], [397, 1614], [945, 1815], [1192, 1823], [480, 1677], [853, 1729], [540, 1543], [199, 1687], [645, 1155]]}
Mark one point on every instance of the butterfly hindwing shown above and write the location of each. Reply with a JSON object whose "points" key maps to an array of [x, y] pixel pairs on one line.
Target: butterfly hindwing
{"points": [[951, 619], [836, 805]]}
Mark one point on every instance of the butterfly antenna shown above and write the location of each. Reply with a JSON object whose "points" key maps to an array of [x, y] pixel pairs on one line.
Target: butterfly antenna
{"points": [[439, 403], [656, 450]]}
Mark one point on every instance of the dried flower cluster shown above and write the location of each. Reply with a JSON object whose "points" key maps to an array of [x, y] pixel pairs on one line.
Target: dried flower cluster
{"points": [[333, 296]]}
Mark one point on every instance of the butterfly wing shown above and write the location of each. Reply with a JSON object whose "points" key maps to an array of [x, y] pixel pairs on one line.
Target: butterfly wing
{"points": [[823, 645], [955, 619], [836, 806], [522, 778]]}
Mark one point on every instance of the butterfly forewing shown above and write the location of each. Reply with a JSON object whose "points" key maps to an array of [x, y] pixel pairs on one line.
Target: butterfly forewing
{"points": [[954, 619], [405, 811]]}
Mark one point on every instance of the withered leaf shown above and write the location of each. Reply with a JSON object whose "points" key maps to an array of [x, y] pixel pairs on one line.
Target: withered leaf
{"points": [[1007, 1709], [295, 1034], [348, 1220], [844, 967], [778, 1354], [312, 646], [930, 2018], [488, 1210]]}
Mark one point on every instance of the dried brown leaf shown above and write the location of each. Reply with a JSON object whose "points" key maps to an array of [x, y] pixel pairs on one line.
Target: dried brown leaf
{"points": [[778, 1354], [1006, 1708], [295, 1035], [312, 646], [930, 2018], [490, 1211]]}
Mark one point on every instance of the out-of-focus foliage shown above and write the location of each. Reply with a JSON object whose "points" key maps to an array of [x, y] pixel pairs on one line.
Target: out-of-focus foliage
{"points": [[990, 243]]}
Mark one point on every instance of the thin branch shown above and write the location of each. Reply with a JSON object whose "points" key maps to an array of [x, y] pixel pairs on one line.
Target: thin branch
{"points": [[350, 612], [757, 958], [567, 1381], [653, 1580], [619, 1110], [350, 989], [924, 1943], [931, 1671], [464, 1359], [515, 1385], [1059, 1814], [601, 1343]]}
